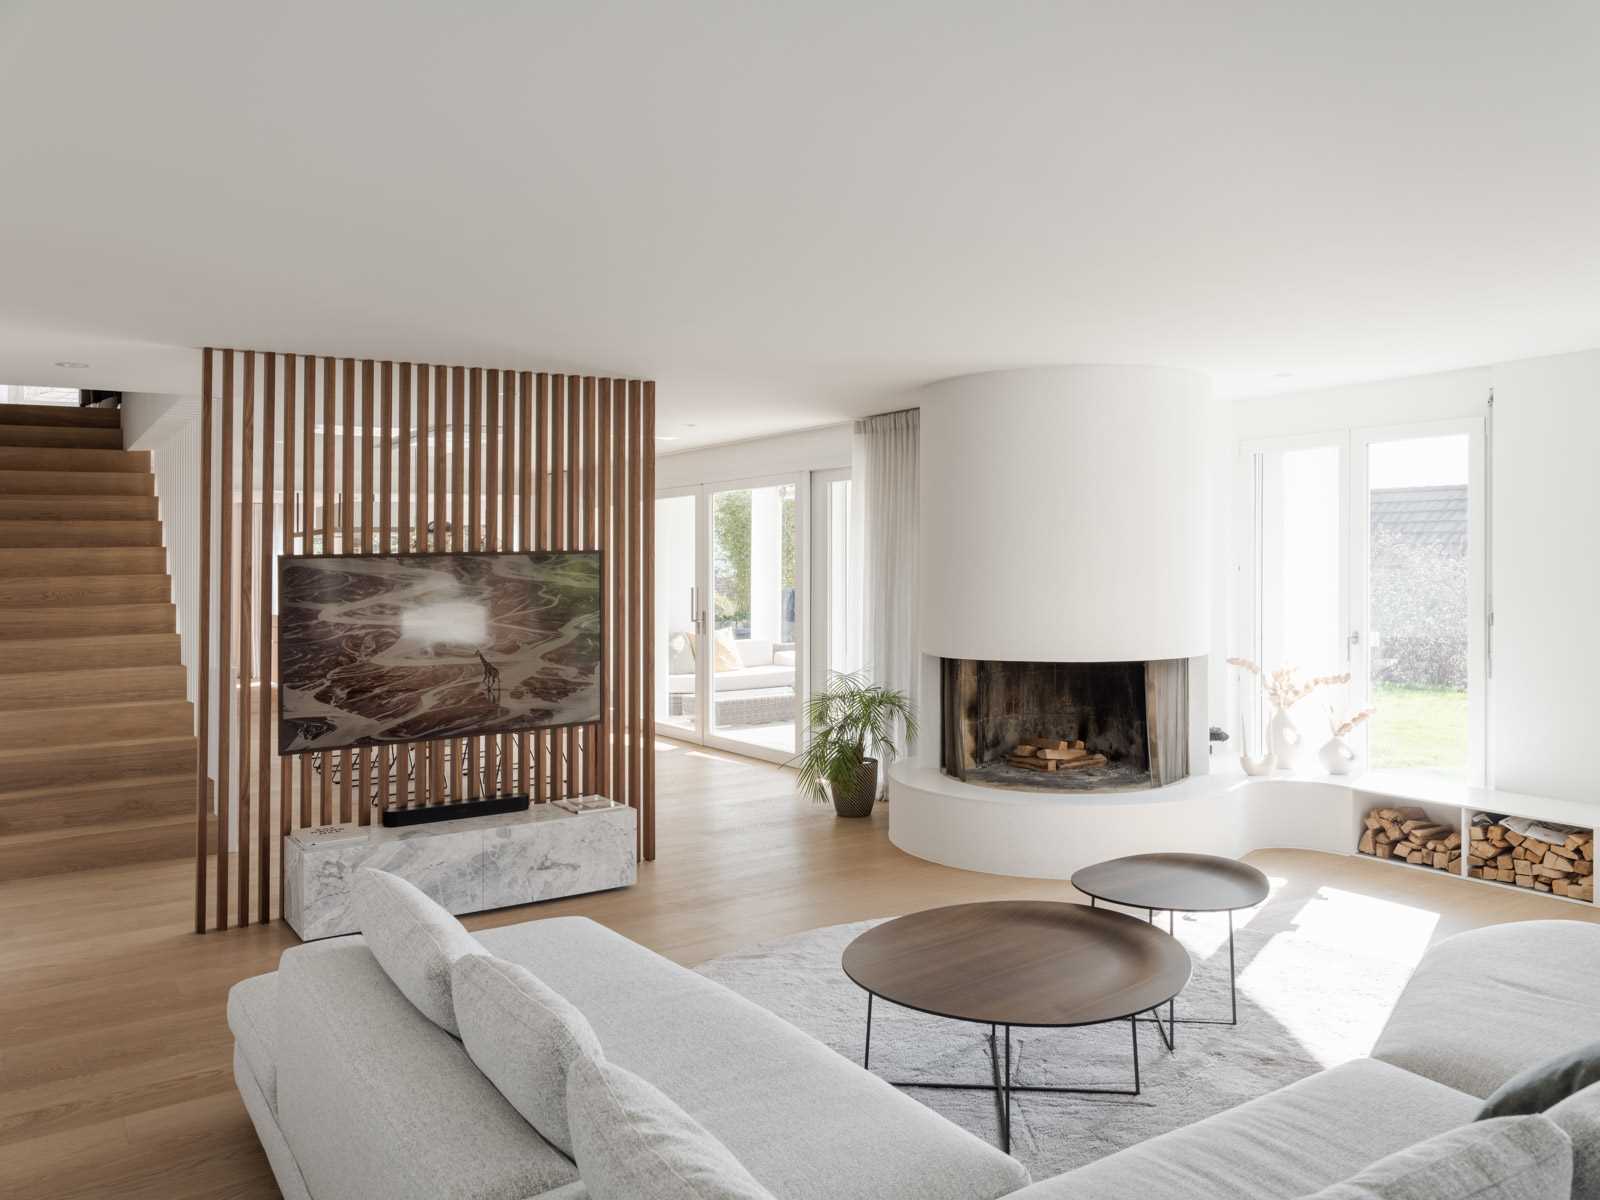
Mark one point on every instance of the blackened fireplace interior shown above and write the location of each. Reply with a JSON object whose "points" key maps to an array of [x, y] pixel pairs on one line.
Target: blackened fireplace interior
{"points": [[1133, 714]]}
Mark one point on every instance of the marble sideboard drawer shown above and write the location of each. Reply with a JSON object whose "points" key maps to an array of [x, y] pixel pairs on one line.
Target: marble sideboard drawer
{"points": [[467, 866]]}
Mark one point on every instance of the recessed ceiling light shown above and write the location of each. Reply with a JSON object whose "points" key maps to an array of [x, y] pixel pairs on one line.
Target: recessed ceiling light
{"points": [[1284, 375], [666, 437], [73, 366]]}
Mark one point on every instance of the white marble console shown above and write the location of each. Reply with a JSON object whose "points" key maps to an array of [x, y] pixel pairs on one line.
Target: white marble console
{"points": [[467, 865]]}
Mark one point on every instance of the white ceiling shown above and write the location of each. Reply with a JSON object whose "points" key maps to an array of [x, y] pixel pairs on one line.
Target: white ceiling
{"points": [[786, 212]]}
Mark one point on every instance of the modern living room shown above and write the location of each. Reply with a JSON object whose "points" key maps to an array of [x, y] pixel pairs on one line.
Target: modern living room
{"points": [[728, 602]]}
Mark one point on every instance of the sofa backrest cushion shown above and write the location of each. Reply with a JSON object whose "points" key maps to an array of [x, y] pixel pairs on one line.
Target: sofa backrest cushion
{"points": [[633, 1143], [414, 941], [754, 653], [1545, 1084], [726, 652], [1579, 1116], [1507, 1158], [523, 1036]]}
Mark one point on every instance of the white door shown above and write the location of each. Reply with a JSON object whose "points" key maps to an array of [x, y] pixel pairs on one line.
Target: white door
{"points": [[731, 614]]}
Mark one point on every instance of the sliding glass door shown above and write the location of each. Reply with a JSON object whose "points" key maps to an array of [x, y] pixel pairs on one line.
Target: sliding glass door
{"points": [[731, 615]]}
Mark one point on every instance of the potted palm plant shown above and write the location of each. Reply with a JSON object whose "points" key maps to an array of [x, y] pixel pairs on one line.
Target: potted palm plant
{"points": [[848, 718]]}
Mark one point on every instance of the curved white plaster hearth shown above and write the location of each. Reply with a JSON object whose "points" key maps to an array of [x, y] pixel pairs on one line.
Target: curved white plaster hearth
{"points": [[1049, 835]]}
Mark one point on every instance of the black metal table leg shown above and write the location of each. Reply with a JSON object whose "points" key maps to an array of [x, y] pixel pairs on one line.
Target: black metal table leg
{"points": [[866, 1054]]}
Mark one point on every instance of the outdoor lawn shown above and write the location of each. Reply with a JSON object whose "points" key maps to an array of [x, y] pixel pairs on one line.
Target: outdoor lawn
{"points": [[1419, 727]]}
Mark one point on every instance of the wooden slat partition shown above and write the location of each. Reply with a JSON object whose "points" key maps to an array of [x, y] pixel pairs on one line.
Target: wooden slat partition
{"points": [[311, 454]]}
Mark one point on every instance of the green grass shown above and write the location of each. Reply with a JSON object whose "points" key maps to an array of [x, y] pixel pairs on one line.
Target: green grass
{"points": [[1419, 727]]}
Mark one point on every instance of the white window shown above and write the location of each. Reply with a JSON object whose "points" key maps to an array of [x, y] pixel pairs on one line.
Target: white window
{"points": [[1363, 554]]}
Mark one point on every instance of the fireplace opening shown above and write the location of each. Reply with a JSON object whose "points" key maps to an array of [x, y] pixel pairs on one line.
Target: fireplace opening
{"points": [[1103, 726]]}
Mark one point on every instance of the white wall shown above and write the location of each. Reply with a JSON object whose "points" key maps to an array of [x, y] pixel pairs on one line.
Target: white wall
{"points": [[1546, 575], [791, 453]]}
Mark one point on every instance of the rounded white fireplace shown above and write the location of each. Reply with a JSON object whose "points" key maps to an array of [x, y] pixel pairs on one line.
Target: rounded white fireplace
{"points": [[1064, 584]]}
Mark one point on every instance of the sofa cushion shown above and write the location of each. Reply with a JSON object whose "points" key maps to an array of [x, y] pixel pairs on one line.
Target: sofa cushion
{"points": [[726, 652], [377, 1100], [633, 1143], [253, 1018], [1579, 1117], [805, 1122], [523, 1037], [1484, 1004], [263, 1115], [754, 652], [680, 653], [1545, 1084], [1287, 1143], [414, 939], [1508, 1158]]}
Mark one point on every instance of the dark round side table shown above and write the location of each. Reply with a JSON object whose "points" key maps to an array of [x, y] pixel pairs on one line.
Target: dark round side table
{"points": [[1025, 963], [1174, 883]]}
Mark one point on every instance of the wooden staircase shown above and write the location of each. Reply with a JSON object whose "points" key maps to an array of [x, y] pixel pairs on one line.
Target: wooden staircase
{"points": [[97, 746]]}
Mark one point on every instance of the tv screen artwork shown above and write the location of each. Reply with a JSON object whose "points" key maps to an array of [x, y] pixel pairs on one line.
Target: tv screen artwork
{"points": [[419, 647]]}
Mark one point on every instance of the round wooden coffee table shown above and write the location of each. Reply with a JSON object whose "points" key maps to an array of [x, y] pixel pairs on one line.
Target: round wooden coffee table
{"points": [[1027, 963], [1178, 883]]}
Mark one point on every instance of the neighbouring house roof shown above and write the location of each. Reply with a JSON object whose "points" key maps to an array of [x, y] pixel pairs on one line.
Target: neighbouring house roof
{"points": [[1435, 516]]}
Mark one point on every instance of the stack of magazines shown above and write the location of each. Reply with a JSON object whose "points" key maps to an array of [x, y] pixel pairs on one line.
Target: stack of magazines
{"points": [[579, 804]]}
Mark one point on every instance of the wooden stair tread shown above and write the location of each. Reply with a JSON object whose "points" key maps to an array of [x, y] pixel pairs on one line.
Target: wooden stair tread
{"points": [[60, 414], [80, 482], [174, 741], [55, 507], [54, 689], [105, 844], [75, 621], [80, 723], [46, 836], [85, 591], [27, 655], [86, 805], [43, 458], [74, 532], [34, 561], [65, 437]]}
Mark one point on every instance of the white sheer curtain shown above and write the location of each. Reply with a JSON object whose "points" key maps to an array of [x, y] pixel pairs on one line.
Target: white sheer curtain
{"points": [[885, 470]]}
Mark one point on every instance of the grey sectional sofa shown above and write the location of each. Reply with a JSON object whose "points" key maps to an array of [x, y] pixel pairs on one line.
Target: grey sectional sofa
{"points": [[355, 1094]]}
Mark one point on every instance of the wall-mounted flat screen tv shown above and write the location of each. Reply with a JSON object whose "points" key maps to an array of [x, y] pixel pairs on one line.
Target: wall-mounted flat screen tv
{"points": [[420, 647]]}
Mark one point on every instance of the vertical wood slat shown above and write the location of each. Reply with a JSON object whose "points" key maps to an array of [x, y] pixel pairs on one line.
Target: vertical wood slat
{"points": [[224, 697], [247, 436], [644, 602], [202, 783], [635, 623], [264, 701], [474, 745], [441, 522], [422, 752], [528, 436], [330, 424], [494, 747], [619, 593], [604, 541], [458, 535], [558, 541], [347, 539], [286, 764], [555, 462], [361, 781], [308, 484], [384, 754], [404, 756]]}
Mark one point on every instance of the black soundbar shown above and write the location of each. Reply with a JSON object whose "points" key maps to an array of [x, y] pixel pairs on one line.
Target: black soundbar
{"points": [[483, 806]]}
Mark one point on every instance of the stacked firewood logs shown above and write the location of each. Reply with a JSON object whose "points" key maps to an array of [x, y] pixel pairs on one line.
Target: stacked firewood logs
{"points": [[1053, 754], [1564, 868], [1410, 834]]}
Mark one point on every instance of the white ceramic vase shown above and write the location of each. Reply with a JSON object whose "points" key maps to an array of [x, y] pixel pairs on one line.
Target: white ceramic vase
{"points": [[1257, 766], [1337, 757], [1283, 739]]}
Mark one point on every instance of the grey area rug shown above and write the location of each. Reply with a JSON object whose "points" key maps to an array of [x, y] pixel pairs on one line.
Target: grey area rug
{"points": [[1317, 978]]}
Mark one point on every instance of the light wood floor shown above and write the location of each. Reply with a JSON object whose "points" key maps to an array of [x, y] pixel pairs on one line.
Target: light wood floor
{"points": [[115, 1057]]}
